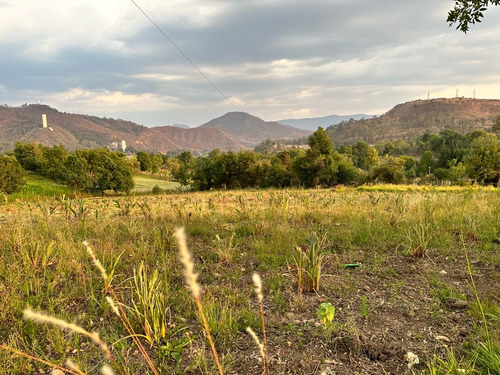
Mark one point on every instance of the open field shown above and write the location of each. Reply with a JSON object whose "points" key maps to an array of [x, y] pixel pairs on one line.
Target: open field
{"points": [[145, 183], [392, 304]]}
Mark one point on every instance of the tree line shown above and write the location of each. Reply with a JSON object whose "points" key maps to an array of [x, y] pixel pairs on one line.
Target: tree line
{"points": [[434, 158], [95, 170]]}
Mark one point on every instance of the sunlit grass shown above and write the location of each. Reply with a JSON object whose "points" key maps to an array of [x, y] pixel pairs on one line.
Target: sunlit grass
{"points": [[145, 183]]}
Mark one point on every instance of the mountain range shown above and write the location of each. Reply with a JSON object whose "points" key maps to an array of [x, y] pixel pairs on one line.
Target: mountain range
{"points": [[240, 130], [233, 131]]}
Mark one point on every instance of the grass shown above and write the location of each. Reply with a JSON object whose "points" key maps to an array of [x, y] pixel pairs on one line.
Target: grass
{"points": [[46, 269], [40, 187], [145, 184]]}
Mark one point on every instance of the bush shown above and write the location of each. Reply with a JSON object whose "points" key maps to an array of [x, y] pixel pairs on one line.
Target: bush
{"points": [[11, 174], [156, 189]]}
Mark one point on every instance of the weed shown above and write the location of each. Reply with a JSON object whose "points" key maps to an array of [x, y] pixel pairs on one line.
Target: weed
{"points": [[365, 308], [150, 304], [225, 248], [309, 262], [326, 314]]}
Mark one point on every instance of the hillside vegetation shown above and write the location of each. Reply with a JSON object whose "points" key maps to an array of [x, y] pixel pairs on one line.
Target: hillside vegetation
{"points": [[410, 120]]}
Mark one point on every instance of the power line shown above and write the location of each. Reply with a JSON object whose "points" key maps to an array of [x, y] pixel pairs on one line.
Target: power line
{"points": [[183, 54]]}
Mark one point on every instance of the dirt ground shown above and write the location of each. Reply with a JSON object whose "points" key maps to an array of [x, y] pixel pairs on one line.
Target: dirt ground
{"points": [[384, 309]]}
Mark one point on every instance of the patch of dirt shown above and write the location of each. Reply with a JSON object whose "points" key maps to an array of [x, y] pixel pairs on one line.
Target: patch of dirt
{"points": [[384, 309]]}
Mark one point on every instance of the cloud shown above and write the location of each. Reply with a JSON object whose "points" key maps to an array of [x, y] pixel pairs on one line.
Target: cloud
{"points": [[272, 58]]}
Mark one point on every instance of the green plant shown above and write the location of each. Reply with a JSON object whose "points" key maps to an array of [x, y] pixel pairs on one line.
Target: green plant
{"points": [[150, 304], [418, 238], [450, 365], [326, 314], [309, 262], [225, 248], [365, 308], [40, 255], [156, 190]]}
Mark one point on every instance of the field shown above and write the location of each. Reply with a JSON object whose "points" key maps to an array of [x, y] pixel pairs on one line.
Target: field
{"points": [[145, 184], [397, 266]]}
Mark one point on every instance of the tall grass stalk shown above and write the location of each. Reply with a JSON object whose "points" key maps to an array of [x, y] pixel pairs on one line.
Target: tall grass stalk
{"points": [[122, 314], [29, 356], [94, 336], [258, 290], [191, 280]]}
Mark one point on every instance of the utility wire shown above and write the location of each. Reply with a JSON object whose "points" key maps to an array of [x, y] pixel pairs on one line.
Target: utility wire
{"points": [[183, 54]]}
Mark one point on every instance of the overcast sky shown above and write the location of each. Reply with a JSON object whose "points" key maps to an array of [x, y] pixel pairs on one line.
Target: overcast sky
{"points": [[275, 59]]}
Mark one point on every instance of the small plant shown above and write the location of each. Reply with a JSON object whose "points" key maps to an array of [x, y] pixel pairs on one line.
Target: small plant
{"points": [[309, 263], [125, 207], [40, 255], [326, 314], [364, 310], [150, 304], [418, 238], [156, 189], [225, 248]]}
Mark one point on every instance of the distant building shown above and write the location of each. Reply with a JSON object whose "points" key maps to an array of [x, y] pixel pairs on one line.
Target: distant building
{"points": [[124, 145], [44, 120]]}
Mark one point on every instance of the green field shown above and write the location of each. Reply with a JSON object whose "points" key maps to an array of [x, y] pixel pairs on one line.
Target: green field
{"points": [[38, 186], [415, 254], [147, 183]]}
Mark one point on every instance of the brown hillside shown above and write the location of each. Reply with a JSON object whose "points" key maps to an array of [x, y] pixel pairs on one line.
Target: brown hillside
{"points": [[410, 120], [251, 130], [83, 131]]}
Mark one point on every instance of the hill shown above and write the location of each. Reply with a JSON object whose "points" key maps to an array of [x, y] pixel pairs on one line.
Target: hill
{"points": [[84, 131], [251, 130], [410, 120], [313, 123]]}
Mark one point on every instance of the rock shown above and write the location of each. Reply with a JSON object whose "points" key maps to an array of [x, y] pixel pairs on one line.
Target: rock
{"points": [[443, 272], [56, 372], [412, 359]]}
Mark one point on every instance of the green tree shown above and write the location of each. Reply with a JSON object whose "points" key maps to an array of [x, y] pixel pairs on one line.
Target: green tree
{"points": [[29, 155], [183, 173], [11, 174], [320, 163], [144, 160], [482, 162], [468, 12], [426, 164], [98, 170], [390, 170]]}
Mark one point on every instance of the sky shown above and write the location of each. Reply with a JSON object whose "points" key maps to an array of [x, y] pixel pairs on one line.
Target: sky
{"points": [[275, 59]]}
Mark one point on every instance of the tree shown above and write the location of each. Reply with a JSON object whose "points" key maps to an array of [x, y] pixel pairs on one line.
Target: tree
{"points": [[320, 163], [483, 159], [144, 160], [390, 170], [11, 174], [98, 170], [468, 12], [426, 164]]}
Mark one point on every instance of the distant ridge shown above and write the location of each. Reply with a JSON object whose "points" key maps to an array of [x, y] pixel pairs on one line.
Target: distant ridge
{"points": [[312, 123], [83, 131], [410, 120], [233, 131], [251, 130]]}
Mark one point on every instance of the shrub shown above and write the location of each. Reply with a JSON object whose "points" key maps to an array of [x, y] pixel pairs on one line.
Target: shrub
{"points": [[11, 174]]}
